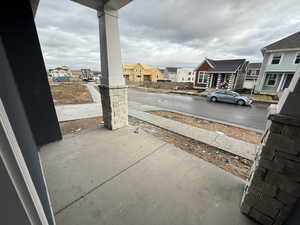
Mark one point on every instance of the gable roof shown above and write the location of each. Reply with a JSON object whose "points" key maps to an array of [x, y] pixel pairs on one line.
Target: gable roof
{"points": [[230, 65], [254, 65], [290, 42]]}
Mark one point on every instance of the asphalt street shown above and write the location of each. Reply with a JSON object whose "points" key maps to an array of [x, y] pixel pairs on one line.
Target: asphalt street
{"points": [[254, 116]]}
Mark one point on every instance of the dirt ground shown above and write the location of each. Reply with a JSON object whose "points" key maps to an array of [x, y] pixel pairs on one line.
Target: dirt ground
{"points": [[73, 126], [163, 85], [260, 97], [235, 165], [234, 132], [70, 93]]}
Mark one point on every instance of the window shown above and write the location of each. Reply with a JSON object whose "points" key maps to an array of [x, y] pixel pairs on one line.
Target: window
{"points": [[190, 73], [202, 77], [257, 72], [182, 79], [189, 78], [297, 60], [276, 59], [271, 79]]}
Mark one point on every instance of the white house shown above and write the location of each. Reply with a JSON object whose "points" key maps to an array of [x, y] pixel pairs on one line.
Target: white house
{"points": [[252, 73], [58, 73], [185, 75], [179, 74]]}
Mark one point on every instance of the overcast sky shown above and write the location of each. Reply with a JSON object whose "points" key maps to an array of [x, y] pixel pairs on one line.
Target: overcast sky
{"points": [[166, 32]]}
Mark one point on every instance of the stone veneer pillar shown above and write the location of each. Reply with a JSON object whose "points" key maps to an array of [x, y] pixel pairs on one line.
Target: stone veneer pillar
{"points": [[273, 187], [113, 89]]}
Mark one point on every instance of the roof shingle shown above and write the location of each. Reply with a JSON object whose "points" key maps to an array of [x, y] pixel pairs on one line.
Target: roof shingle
{"points": [[226, 65], [290, 42]]}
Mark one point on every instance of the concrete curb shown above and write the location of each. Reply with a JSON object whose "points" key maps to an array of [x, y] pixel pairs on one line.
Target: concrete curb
{"points": [[155, 108]]}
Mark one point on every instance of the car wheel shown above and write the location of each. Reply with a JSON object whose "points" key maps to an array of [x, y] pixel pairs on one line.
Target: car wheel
{"points": [[213, 99], [240, 102]]}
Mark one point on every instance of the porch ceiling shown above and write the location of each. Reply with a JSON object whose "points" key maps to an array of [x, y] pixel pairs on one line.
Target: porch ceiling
{"points": [[98, 4]]}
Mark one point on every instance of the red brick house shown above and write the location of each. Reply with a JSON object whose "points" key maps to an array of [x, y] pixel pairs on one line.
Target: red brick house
{"points": [[220, 74]]}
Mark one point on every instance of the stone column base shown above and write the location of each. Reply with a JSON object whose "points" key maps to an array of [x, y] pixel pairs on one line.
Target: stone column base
{"points": [[273, 187], [114, 106]]}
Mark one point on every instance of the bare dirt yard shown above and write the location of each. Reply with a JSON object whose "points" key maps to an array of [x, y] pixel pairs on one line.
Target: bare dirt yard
{"points": [[74, 126], [230, 131], [235, 165], [70, 93]]}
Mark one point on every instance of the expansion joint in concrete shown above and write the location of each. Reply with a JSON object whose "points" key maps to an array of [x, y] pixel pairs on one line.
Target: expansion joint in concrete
{"points": [[109, 179]]}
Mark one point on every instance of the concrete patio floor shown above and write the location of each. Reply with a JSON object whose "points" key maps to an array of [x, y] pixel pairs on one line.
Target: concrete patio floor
{"points": [[127, 178]]}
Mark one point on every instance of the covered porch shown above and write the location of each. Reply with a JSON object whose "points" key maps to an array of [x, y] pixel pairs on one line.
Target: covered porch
{"points": [[220, 80], [103, 177], [276, 82], [122, 176]]}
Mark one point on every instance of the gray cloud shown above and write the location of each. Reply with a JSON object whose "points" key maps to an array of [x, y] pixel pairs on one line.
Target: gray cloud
{"points": [[168, 32]]}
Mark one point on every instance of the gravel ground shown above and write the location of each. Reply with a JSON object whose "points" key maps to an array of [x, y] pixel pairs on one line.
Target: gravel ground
{"points": [[235, 165]]}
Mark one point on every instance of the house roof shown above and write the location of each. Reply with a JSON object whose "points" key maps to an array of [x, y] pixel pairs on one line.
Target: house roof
{"points": [[254, 65], [132, 66], [172, 69], [290, 42], [230, 65]]}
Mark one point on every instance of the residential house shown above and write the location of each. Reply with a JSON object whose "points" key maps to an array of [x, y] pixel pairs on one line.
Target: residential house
{"points": [[59, 75], [171, 74], [281, 59], [252, 73], [185, 75], [220, 74], [141, 72], [99, 176], [76, 73], [86, 74]]}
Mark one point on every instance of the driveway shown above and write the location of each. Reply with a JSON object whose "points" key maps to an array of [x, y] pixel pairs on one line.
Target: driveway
{"points": [[253, 117]]}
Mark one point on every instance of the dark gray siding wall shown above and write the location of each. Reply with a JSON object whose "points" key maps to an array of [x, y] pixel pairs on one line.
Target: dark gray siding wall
{"points": [[19, 36], [24, 90]]}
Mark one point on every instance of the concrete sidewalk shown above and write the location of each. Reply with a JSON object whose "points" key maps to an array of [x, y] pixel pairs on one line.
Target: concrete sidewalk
{"points": [[77, 112], [218, 140], [92, 87]]}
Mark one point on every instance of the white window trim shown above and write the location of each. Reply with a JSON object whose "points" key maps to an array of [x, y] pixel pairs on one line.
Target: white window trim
{"points": [[267, 80], [202, 78], [271, 58], [297, 53]]}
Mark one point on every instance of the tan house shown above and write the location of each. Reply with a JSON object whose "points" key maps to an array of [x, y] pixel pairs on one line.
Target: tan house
{"points": [[76, 73], [141, 72]]}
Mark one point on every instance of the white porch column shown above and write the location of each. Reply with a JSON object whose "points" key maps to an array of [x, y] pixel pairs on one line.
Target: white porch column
{"points": [[113, 89], [208, 81], [230, 85], [218, 81]]}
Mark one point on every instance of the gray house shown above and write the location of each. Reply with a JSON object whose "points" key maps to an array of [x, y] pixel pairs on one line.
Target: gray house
{"points": [[279, 65], [252, 73], [170, 73]]}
